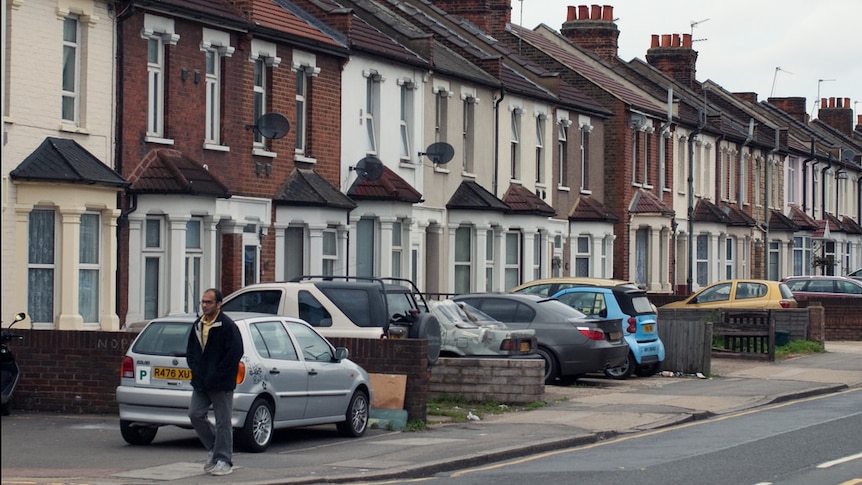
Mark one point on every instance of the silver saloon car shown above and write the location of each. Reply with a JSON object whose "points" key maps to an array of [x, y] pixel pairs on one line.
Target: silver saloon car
{"points": [[289, 376]]}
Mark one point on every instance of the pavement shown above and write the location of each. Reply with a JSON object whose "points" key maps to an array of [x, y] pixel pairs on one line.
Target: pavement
{"points": [[594, 409]]}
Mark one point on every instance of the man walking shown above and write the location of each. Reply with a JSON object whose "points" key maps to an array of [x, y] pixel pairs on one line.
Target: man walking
{"points": [[214, 351]]}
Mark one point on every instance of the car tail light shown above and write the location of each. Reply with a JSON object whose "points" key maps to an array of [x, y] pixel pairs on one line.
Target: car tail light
{"points": [[592, 333], [127, 368], [508, 345], [633, 325], [240, 373], [784, 303]]}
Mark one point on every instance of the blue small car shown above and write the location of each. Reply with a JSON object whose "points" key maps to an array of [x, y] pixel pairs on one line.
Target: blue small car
{"points": [[639, 321]]}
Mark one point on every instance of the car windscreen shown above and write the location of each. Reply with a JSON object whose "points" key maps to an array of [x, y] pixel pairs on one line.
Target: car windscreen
{"points": [[260, 301], [641, 304], [163, 338]]}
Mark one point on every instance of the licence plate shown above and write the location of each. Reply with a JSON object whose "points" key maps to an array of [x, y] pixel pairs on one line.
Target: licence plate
{"points": [[616, 335], [650, 328], [525, 347], [173, 373]]}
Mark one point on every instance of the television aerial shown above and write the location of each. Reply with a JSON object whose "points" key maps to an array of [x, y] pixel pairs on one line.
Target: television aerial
{"points": [[440, 153], [369, 168], [271, 125]]}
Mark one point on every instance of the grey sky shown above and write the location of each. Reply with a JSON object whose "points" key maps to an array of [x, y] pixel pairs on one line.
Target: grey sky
{"points": [[744, 41]]}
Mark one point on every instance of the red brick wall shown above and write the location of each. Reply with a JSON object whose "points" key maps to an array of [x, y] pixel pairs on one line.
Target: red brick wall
{"points": [[78, 371]]}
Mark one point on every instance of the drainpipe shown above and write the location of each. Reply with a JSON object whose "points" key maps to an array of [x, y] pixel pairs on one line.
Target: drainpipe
{"points": [[823, 186], [663, 131], [768, 200], [748, 139], [122, 220], [497, 140], [805, 178], [701, 115]]}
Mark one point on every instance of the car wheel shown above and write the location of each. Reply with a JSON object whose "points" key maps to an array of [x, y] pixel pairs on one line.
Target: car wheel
{"points": [[426, 326], [624, 371], [256, 434], [552, 369], [356, 421], [646, 370], [137, 435]]}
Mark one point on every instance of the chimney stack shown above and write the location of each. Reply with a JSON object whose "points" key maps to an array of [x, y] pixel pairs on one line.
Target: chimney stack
{"points": [[795, 107], [838, 114], [673, 55], [490, 16], [593, 28]]}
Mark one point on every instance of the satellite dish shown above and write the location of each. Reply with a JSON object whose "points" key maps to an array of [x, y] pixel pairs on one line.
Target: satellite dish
{"points": [[440, 153], [369, 168], [271, 125], [847, 155]]}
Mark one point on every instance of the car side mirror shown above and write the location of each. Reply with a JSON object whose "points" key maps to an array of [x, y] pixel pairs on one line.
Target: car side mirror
{"points": [[341, 353]]}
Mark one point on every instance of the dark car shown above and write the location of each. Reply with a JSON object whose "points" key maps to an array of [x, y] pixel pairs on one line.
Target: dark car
{"points": [[804, 287], [570, 343]]}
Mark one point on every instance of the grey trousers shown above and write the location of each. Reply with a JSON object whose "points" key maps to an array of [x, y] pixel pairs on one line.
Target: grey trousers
{"points": [[217, 438]]}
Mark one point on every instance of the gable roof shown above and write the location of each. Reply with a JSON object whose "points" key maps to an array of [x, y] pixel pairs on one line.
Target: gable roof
{"points": [[588, 208], [706, 211], [645, 202], [801, 219], [64, 160], [169, 171], [304, 187], [472, 196], [523, 201], [780, 222], [389, 186], [737, 216]]}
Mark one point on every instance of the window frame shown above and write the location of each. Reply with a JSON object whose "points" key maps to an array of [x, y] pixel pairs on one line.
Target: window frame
{"points": [[72, 92]]}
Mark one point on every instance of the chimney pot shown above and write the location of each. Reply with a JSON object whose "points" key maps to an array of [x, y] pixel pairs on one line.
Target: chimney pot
{"points": [[832, 102], [686, 41], [674, 40], [571, 13], [859, 119], [655, 41], [846, 102], [823, 102], [583, 12], [665, 40], [608, 13], [596, 12]]}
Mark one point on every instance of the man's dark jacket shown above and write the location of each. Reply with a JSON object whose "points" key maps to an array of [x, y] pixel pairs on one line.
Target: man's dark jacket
{"points": [[214, 368]]}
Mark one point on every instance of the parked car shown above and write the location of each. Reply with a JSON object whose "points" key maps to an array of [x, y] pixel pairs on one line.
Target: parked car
{"points": [[466, 331], [289, 376], [736, 294], [804, 287], [570, 343], [342, 306], [639, 323], [856, 275], [550, 286]]}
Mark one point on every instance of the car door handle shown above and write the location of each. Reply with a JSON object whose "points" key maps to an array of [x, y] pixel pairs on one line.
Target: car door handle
{"points": [[274, 370], [312, 372]]}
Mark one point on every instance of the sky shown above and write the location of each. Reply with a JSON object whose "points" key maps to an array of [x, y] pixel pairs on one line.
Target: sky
{"points": [[780, 48]]}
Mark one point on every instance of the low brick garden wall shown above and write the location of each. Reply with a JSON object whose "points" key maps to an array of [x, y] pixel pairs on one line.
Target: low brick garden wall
{"points": [[513, 381]]}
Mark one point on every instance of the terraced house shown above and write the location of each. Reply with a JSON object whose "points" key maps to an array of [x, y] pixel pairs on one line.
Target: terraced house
{"points": [[167, 146]]}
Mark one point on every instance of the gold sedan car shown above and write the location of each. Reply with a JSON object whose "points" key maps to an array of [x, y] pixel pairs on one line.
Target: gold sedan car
{"points": [[745, 294]]}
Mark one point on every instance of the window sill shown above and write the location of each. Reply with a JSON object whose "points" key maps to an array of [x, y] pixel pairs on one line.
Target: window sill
{"points": [[298, 157], [563, 188], [438, 169], [408, 164], [667, 190], [159, 140], [516, 181], [648, 186], [586, 192], [468, 175], [260, 152], [541, 185], [67, 128], [217, 148]]}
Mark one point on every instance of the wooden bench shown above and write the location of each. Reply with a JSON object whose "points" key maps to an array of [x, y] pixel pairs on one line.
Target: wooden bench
{"points": [[746, 334]]}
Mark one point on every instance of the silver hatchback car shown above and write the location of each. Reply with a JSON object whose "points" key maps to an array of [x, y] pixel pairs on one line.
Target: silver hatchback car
{"points": [[289, 376]]}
